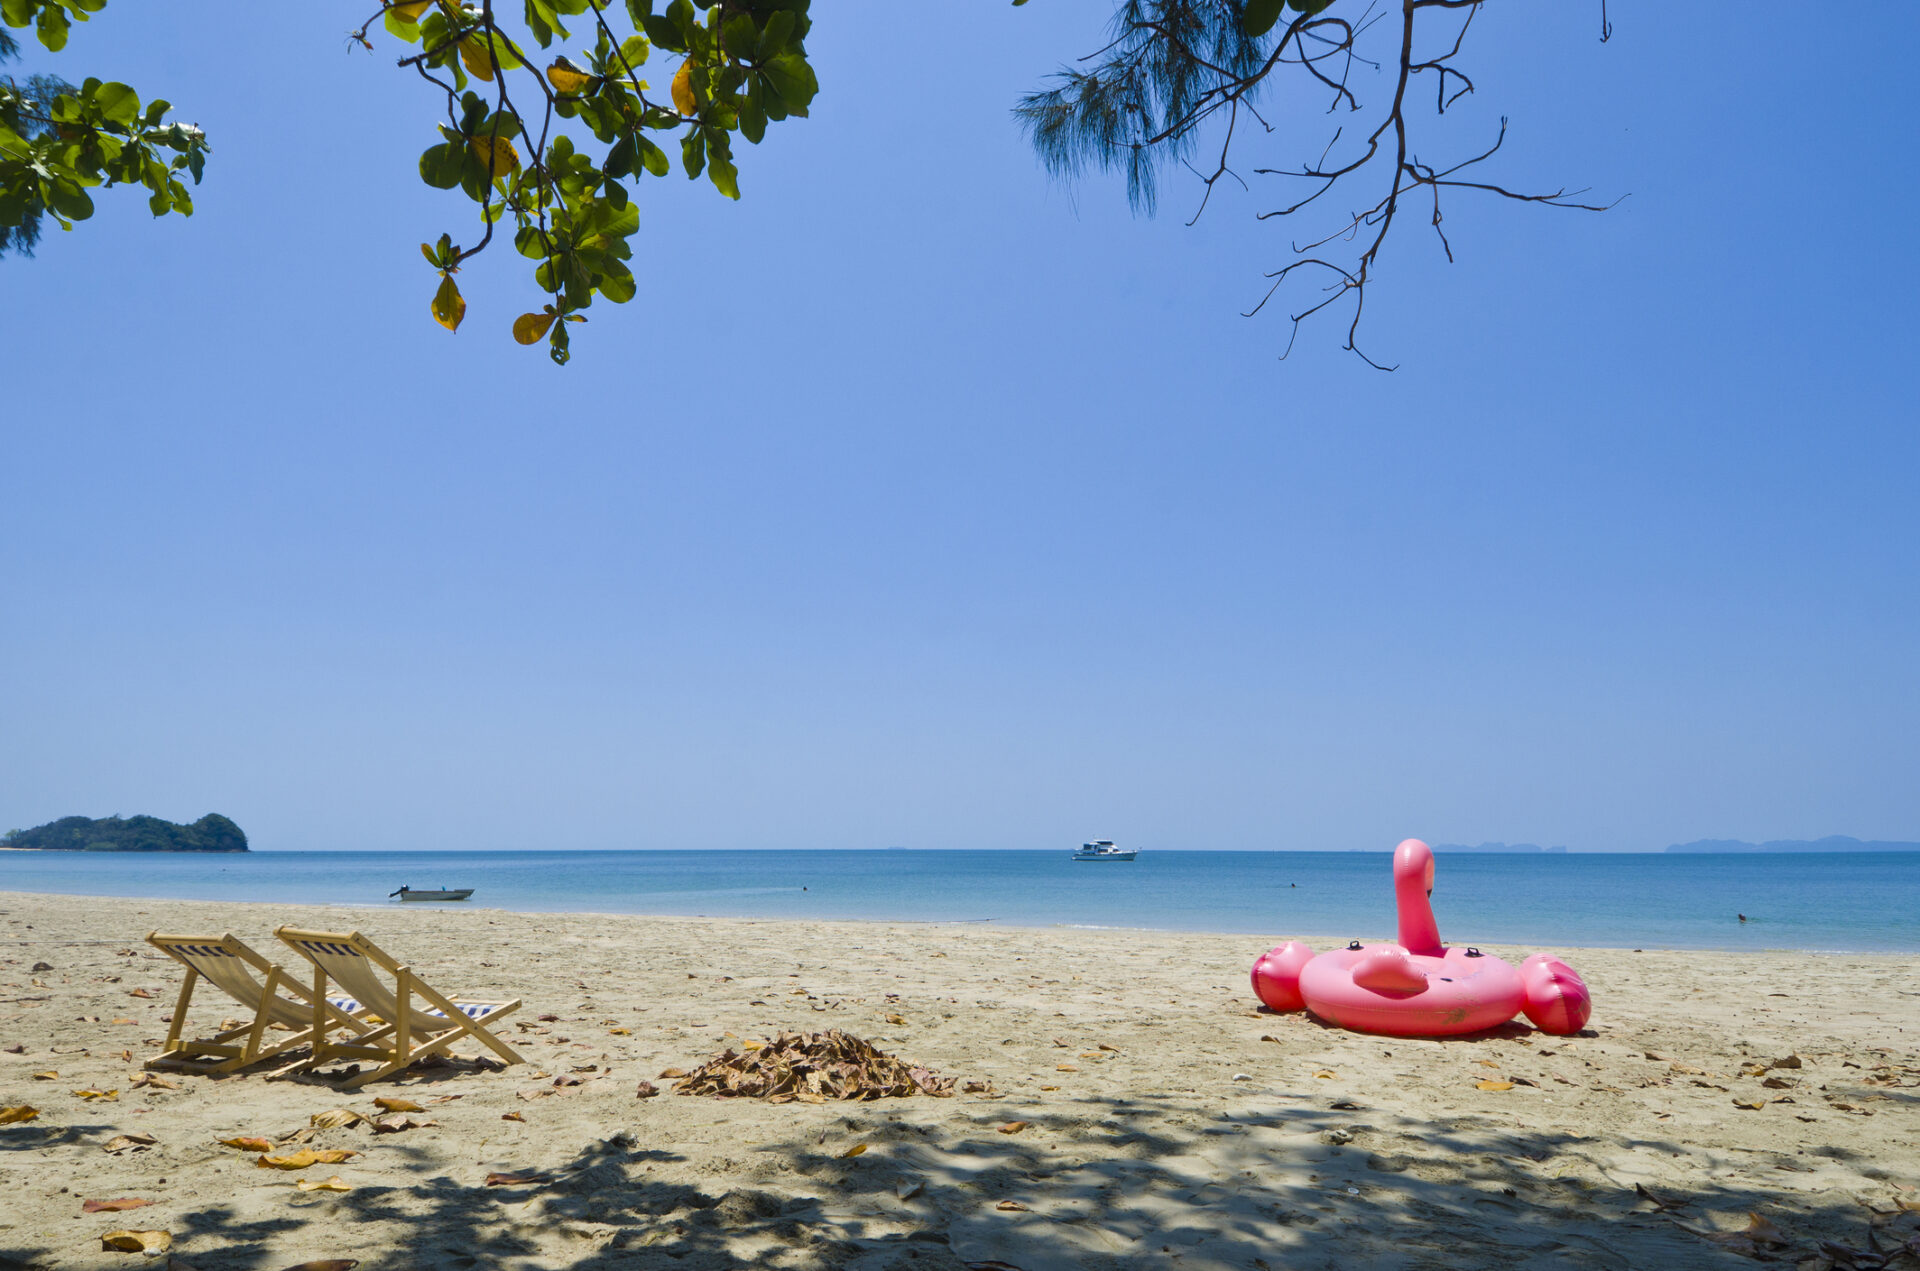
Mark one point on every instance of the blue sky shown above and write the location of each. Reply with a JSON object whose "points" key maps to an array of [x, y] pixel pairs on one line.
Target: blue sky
{"points": [[920, 499]]}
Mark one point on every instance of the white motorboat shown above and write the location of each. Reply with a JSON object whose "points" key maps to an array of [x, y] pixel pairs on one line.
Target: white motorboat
{"points": [[1102, 850], [431, 893]]}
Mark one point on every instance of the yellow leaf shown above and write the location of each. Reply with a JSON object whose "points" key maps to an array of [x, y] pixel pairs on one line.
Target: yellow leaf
{"points": [[391, 1104], [17, 1113], [1066, 1068], [1750, 1103], [330, 1185], [568, 78], [896, 1019], [249, 1144], [855, 1150], [505, 158], [1012, 1127], [617, 1032], [49, 1075], [408, 11], [305, 1157], [530, 328], [1013, 1206], [1325, 1074], [1493, 1085], [474, 52], [683, 88], [449, 306], [110, 1096], [138, 1241], [334, 1118]]}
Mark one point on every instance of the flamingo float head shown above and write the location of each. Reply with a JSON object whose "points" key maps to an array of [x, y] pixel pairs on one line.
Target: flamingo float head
{"points": [[1412, 890]]}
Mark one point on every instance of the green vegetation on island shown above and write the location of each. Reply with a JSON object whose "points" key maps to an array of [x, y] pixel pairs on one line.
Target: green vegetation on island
{"points": [[211, 833]]}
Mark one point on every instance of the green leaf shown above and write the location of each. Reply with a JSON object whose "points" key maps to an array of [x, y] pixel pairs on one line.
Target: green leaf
{"points": [[693, 152], [664, 33], [774, 38], [653, 158], [68, 199], [617, 284], [1309, 7], [441, 165], [635, 49], [118, 103], [791, 77], [620, 158], [52, 30], [725, 177], [739, 37], [753, 119], [1261, 15]]}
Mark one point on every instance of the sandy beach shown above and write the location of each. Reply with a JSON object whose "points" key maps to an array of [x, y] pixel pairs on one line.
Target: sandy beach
{"points": [[1157, 1116]]}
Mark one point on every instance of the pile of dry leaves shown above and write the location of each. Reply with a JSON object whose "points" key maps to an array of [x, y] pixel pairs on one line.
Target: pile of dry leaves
{"points": [[811, 1068]]}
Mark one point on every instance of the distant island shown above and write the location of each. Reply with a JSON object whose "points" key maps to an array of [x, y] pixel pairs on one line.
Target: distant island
{"points": [[1831, 843], [211, 833], [1499, 847]]}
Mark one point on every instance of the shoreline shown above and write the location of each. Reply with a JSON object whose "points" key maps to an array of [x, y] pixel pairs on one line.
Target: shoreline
{"points": [[1273, 935], [1132, 1103]]}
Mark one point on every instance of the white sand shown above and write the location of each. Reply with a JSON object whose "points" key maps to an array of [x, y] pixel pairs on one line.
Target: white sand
{"points": [[1337, 1150]]}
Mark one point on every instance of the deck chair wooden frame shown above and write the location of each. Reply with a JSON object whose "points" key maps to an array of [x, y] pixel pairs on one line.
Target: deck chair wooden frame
{"points": [[229, 965], [417, 1020]]}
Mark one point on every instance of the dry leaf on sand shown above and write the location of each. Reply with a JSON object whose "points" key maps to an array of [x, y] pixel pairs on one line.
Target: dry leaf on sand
{"points": [[307, 1156], [323, 1185], [646, 1090], [113, 1206], [110, 1096], [1013, 1206], [514, 1180], [855, 1150], [1066, 1068], [334, 1118], [124, 1142], [1493, 1085], [1012, 1127], [511, 1116], [388, 1103], [394, 1125], [813, 1067], [249, 1143], [672, 1074], [1752, 1104], [326, 1264], [48, 1075], [138, 1241], [1325, 1074], [19, 1112]]}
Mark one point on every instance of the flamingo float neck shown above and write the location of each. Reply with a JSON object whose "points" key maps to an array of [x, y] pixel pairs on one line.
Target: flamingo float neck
{"points": [[1412, 885]]}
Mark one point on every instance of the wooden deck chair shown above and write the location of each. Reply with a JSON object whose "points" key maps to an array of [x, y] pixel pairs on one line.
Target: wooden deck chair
{"points": [[417, 1019], [277, 997]]}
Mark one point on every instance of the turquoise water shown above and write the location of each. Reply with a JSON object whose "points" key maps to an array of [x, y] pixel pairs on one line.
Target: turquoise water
{"points": [[1857, 901]]}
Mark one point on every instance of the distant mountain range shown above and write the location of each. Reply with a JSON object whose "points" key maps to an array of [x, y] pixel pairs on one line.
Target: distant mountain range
{"points": [[1499, 847], [1831, 843]]}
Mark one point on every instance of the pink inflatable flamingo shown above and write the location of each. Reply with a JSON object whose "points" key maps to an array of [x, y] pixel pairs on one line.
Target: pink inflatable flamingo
{"points": [[1419, 987]]}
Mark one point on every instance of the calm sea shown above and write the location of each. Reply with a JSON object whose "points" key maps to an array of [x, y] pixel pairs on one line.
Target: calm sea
{"points": [[1855, 901]]}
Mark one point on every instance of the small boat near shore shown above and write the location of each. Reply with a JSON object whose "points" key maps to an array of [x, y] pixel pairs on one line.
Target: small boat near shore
{"points": [[1102, 850], [431, 893]]}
